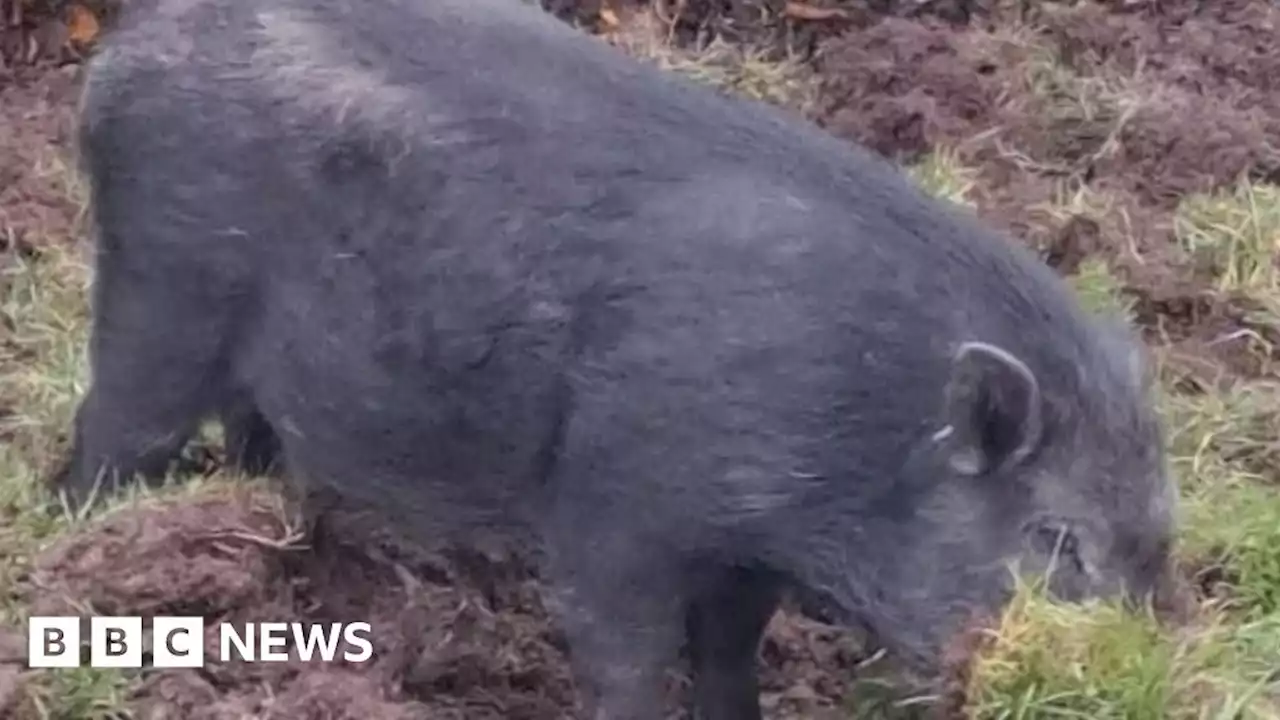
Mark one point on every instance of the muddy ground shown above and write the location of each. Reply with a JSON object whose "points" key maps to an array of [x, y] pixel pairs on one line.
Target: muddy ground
{"points": [[1182, 99]]}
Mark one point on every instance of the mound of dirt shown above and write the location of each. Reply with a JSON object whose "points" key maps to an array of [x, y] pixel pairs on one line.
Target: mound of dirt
{"points": [[1207, 86], [1120, 109], [455, 636], [773, 28], [36, 114], [1158, 107]]}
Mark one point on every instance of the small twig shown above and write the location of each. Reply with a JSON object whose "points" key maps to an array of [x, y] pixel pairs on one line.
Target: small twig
{"points": [[803, 11], [411, 584], [288, 542], [15, 13], [672, 19]]}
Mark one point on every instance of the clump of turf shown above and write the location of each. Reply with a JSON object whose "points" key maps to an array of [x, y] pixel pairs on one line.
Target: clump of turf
{"points": [[1049, 660]]}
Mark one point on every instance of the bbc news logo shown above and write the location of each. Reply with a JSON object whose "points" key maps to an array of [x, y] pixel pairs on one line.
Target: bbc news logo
{"points": [[178, 642]]}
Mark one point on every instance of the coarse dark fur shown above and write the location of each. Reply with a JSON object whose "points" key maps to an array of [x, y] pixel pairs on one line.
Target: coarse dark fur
{"points": [[488, 274]]}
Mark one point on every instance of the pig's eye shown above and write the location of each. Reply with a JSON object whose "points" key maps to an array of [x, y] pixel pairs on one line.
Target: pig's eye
{"points": [[1055, 539]]}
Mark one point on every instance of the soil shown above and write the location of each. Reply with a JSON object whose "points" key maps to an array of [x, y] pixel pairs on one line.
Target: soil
{"points": [[1178, 97], [36, 112], [1185, 96], [455, 636]]}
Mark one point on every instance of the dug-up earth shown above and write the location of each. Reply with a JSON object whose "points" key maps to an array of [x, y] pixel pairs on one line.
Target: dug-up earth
{"points": [[1080, 127]]}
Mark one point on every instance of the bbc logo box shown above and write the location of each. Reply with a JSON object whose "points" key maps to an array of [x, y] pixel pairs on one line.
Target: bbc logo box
{"points": [[54, 642], [178, 642]]}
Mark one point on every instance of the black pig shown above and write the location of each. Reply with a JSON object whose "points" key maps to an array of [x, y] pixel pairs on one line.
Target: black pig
{"points": [[487, 274]]}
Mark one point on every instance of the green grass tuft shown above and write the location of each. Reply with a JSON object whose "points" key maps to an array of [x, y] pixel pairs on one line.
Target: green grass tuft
{"points": [[1225, 448], [1236, 235], [943, 175], [1100, 291], [82, 693], [729, 68], [1051, 660]]}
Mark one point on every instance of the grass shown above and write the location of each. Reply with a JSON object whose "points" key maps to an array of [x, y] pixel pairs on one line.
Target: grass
{"points": [[41, 374], [1098, 661], [942, 174], [1045, 660], [41, 377], [1083, 115], [79, 694], [1100, 290], [1236, 235], [1225, 449], [728, 68]]}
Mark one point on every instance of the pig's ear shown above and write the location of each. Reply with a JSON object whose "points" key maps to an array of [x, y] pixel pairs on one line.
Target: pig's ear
{"points": [[993, 407]]}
